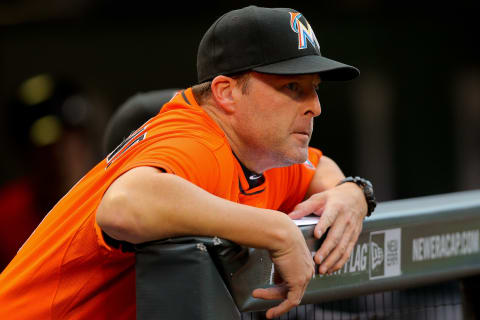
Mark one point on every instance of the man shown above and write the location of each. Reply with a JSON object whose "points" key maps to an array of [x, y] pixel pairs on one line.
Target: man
{"points": [[228, 158]]}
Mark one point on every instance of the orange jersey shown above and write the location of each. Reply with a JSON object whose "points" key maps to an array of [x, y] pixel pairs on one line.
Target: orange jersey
{"points": [[66, 269]]}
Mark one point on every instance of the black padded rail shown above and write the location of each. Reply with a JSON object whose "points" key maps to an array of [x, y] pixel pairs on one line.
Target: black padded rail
{"points": [[412, 243]]}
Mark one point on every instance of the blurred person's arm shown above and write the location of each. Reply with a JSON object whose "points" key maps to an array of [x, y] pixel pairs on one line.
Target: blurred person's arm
{"points": [[145, 204], [342, 208]]}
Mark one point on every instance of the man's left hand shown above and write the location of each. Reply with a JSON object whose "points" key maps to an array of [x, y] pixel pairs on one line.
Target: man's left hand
{"points": [[342, 209]]}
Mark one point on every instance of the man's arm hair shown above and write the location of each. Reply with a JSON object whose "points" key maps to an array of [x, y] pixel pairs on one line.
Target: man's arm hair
{"points": [[146, 204], [327, 175]]}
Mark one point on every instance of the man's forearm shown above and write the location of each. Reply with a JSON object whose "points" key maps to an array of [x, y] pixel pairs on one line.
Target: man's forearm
{"points": [[327, 176], [145, 204]]}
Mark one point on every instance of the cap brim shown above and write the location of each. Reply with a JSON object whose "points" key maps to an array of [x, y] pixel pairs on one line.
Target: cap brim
{"points": [[329, 70]]}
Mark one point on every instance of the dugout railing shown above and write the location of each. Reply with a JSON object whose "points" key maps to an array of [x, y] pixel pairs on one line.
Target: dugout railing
{"points": [[412, 255]]}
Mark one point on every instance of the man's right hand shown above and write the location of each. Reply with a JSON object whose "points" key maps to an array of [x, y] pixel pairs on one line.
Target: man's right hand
{"points": [[295, 265]]}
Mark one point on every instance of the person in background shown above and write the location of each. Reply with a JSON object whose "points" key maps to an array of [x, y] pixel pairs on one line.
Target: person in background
{"points": [[132, 114]]}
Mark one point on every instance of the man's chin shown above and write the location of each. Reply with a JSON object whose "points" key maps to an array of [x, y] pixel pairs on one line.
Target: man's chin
{"points": [[299, 157]]}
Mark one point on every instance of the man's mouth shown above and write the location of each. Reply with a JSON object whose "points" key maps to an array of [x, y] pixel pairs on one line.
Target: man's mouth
{"points": [[307, 133]]}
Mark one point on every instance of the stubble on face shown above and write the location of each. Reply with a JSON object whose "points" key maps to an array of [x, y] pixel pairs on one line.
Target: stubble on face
{"points": [[272, 125]]}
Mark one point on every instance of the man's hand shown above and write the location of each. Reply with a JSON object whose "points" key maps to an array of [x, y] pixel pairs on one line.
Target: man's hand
{"points": [[296, 268], [142, 205], [343, 209]]}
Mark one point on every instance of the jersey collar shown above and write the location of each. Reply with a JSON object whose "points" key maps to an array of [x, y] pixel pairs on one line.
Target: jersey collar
{"points": [[253, 179]]}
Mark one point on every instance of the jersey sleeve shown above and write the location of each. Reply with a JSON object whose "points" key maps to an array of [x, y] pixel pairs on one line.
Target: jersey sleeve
{"points": [[298, 179], [184, 157]]}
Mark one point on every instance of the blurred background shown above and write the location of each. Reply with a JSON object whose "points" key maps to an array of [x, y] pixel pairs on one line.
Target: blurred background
{"points": [[409, 123]]}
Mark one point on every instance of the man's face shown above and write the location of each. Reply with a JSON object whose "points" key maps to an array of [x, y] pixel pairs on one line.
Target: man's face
{"points": [[275, 117]]}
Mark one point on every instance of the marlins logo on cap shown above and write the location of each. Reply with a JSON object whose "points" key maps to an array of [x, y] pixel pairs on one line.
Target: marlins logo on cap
{"points": [[304, 32]]}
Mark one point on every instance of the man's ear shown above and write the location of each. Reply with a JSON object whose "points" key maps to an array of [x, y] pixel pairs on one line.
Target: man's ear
{"points": [[222, 90]]}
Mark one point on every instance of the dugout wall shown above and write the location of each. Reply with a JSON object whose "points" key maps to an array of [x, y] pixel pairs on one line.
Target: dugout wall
{"points": [[409, 262]]}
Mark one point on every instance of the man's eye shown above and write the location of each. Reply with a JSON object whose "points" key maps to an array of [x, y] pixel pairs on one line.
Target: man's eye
{"points": [[293, 86]]}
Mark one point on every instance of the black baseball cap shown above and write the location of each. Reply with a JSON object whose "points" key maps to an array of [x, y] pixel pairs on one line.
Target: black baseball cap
{"points": [[267, 40]]}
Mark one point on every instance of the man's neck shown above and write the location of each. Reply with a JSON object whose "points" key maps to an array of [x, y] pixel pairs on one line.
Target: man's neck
{"points": [[252, 160]]}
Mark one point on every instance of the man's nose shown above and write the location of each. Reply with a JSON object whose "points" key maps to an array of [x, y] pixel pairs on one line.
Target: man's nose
{"points": [[313, 105]]}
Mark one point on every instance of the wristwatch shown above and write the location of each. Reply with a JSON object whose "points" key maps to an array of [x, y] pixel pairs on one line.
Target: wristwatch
{"points": [[367, 189]]}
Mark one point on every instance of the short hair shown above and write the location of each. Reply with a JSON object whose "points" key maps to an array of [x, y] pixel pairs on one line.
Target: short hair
{"points": [[203, 91]]}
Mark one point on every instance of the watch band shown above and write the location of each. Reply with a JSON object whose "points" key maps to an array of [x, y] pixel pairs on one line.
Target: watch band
{"points": [[367, 189]]}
